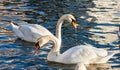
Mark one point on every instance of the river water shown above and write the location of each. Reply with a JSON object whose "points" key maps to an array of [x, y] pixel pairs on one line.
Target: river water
{"points": [[16, 54]]}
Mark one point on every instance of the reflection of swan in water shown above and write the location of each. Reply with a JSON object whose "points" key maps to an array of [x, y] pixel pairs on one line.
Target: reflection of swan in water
{"points": [[31, 32], [60, 66], [78, 54]]}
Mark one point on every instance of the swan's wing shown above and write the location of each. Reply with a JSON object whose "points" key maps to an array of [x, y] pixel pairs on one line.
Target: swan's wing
{"points": [[38, 30], [41, 30], [26, 31], [33, 31], [18, 32], [77, 54], [100, 52], [102, 55], [105, 58]]}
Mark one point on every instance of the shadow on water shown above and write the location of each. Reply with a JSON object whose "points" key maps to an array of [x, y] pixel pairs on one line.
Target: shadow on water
{"points": [[18, 54]]}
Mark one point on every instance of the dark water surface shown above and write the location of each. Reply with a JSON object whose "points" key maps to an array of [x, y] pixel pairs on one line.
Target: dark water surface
{"points": [[16, 54]]}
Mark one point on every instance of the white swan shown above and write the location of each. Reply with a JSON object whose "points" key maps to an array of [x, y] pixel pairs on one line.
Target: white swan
{"points": [[78, 54], [31, 32]]}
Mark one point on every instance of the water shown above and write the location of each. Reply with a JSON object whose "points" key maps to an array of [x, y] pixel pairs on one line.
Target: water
{"points": [[16, 54]]}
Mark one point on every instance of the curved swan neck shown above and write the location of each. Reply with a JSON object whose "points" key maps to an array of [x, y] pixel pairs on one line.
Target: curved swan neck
{"points": [[67, 17], [58, 30], [55, 51], [56, 44]]}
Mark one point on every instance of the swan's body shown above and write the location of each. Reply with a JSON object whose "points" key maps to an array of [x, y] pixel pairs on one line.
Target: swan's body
{"points": [[31, 32], [78, 54]]}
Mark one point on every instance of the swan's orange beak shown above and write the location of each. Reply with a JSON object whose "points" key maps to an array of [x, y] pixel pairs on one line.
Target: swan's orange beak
{"points": [[37, 47], [74, 24]]}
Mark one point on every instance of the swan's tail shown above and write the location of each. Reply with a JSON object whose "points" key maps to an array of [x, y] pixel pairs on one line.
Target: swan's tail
{"points": [[16, 30], [13, 25], [106, 58]]}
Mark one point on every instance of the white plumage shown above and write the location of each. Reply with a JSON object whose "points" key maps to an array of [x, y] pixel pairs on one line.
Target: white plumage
{"points": [[78, 54], [31, 32]]}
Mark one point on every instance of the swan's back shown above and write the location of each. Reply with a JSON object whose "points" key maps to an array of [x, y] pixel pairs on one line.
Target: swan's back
{"points": [[33, 31], [77, 54], [42, 30], [30, 32], [85, 54]]}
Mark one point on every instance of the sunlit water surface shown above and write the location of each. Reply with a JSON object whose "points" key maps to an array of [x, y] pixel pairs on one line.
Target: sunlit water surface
{"points": [[18, 54]]}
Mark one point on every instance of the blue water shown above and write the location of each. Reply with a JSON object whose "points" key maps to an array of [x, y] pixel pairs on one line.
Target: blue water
{"points": [[16, 54]]}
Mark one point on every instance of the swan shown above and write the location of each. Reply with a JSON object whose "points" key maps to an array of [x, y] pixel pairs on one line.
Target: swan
{"points": [[31, 32], [77, 54]]}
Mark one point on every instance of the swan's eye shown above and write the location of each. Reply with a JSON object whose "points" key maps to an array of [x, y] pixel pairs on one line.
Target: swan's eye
{"points": [[73, 21]]}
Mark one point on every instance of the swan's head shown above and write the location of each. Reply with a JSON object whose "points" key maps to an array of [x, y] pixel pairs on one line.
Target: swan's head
{"points": [[70, 18], [41, 41]]}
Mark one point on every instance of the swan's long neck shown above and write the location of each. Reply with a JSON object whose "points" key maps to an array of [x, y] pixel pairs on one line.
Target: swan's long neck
{"points": [[58, 30], [56, 44], [52, 55]]}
